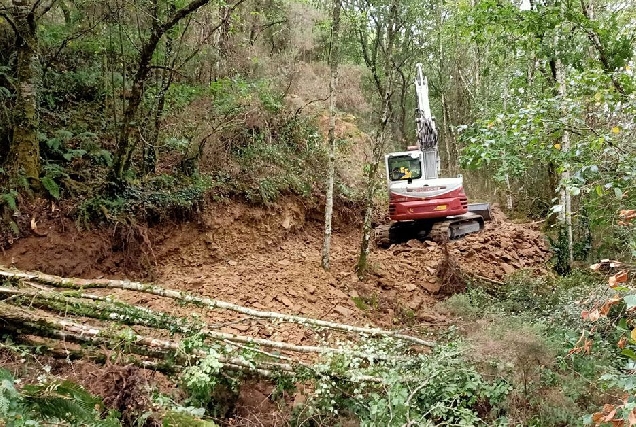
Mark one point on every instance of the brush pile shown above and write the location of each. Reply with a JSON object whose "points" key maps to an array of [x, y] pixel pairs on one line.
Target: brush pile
{"points": [[80, 318]]}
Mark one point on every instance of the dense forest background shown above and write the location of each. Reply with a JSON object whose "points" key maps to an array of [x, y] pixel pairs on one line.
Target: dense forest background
{"points": [[125, 115], [109, 104]]}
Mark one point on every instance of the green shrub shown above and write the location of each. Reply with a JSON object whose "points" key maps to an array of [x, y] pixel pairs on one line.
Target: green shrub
{"points": [[450, 391], [50, 403], [162, 197]]}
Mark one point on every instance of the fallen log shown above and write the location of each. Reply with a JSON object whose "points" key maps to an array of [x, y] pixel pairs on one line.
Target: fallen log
{"points": [[121, 312], [52, 327], [72, 283]]}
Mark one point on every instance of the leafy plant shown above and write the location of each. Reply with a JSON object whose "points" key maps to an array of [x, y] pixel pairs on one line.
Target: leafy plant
{"points": [[61, 402]]}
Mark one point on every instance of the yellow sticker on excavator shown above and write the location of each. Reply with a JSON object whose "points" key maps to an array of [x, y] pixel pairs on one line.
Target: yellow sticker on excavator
{"points": [[440, 208]]}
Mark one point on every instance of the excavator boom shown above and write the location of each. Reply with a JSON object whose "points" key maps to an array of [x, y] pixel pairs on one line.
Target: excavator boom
{"points": [[427, 137]]}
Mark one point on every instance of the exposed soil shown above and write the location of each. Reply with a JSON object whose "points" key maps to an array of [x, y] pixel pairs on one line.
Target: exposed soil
{"points": [[269, 259]]}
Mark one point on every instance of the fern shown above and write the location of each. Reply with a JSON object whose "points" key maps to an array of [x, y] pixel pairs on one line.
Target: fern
{"points": [[51, 186], [63, 402]]}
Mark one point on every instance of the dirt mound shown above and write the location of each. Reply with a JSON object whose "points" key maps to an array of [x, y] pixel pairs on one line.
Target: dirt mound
{"points": [[502, 248]]}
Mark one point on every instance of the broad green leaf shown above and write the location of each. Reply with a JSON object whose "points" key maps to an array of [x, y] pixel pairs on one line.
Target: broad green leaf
{"points": [[629, 353], [51, 186], [618, 192], [630, 301]]}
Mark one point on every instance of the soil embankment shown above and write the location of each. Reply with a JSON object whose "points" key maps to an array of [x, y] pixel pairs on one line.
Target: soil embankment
{"points": [[269, 259]]}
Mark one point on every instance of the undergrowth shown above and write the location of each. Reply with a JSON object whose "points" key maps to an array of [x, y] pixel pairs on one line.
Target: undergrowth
{"points": [[50, 402], [519, 360], [530, 332]]}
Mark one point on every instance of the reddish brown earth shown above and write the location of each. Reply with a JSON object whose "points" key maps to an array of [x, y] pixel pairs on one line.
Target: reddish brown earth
{"points": [[269, 259]]}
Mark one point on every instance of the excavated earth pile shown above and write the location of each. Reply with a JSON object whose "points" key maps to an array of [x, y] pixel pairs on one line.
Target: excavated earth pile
{"points": [[502, 248]]}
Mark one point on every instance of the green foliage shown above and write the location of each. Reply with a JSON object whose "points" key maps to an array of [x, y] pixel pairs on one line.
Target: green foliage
{"points": [[530, 334], [9, 199], [528, 138], [58, 402], [182, 419], [561, 251], [161, 197], [201, 379], [232, 95], [292, 164], [442, 389]]}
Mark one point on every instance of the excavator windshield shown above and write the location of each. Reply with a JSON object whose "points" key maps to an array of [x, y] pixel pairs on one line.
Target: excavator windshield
{"points": [[404, 167]]}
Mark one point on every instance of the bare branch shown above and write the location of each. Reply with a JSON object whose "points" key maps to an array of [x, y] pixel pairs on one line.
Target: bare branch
{"points": [[6, 16], [190, 298]]}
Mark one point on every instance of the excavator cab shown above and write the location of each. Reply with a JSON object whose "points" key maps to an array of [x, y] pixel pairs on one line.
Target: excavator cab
{"points": [[404, 166]]}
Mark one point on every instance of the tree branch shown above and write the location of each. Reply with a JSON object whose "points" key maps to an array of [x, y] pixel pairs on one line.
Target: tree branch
{"points": [[186, 297], [6, 16]]}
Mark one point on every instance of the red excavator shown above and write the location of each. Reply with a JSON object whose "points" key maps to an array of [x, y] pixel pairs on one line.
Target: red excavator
{"points": [[421, 204]]}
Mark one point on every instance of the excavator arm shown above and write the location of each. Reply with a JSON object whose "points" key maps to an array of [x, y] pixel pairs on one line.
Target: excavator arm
{"points": [[427, 137]]}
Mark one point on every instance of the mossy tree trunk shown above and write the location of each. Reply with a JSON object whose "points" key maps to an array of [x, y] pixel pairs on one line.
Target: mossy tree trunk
{"points": [[24, 150]]}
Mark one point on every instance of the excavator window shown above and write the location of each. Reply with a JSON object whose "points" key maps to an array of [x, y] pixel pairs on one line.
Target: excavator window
{"points": [[404, 167]]}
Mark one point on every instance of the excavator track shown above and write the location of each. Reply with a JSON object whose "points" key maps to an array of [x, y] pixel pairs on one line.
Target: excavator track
{"points": [[451, 228], [456, 227], [383, 235]]}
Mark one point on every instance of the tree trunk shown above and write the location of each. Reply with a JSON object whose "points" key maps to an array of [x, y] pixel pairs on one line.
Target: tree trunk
{"points": [[165, 80], [565, 215], [365, 246], [333, 84], [449, 138], [125, 147], [385, 89], [24, 156]]}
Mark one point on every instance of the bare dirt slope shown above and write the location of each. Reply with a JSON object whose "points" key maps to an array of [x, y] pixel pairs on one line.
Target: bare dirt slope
{"points": [[269, 259], [266, 259]]}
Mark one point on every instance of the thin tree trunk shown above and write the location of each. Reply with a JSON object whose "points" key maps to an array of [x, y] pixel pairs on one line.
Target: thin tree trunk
{"points": [[379, 145], [74, 283], [385, 89], [565, 215], [150, 157], [125, 147], [365, 246], [24, 155], [333, 84], [449, 138]]}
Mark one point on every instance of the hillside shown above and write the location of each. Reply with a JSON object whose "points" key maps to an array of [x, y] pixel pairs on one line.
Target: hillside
{"points": [[168, 171], [268, 259]]}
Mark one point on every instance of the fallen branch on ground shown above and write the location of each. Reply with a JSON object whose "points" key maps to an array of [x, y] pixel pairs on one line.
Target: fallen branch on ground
{"points": [[62, 282], [124, 313]]}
